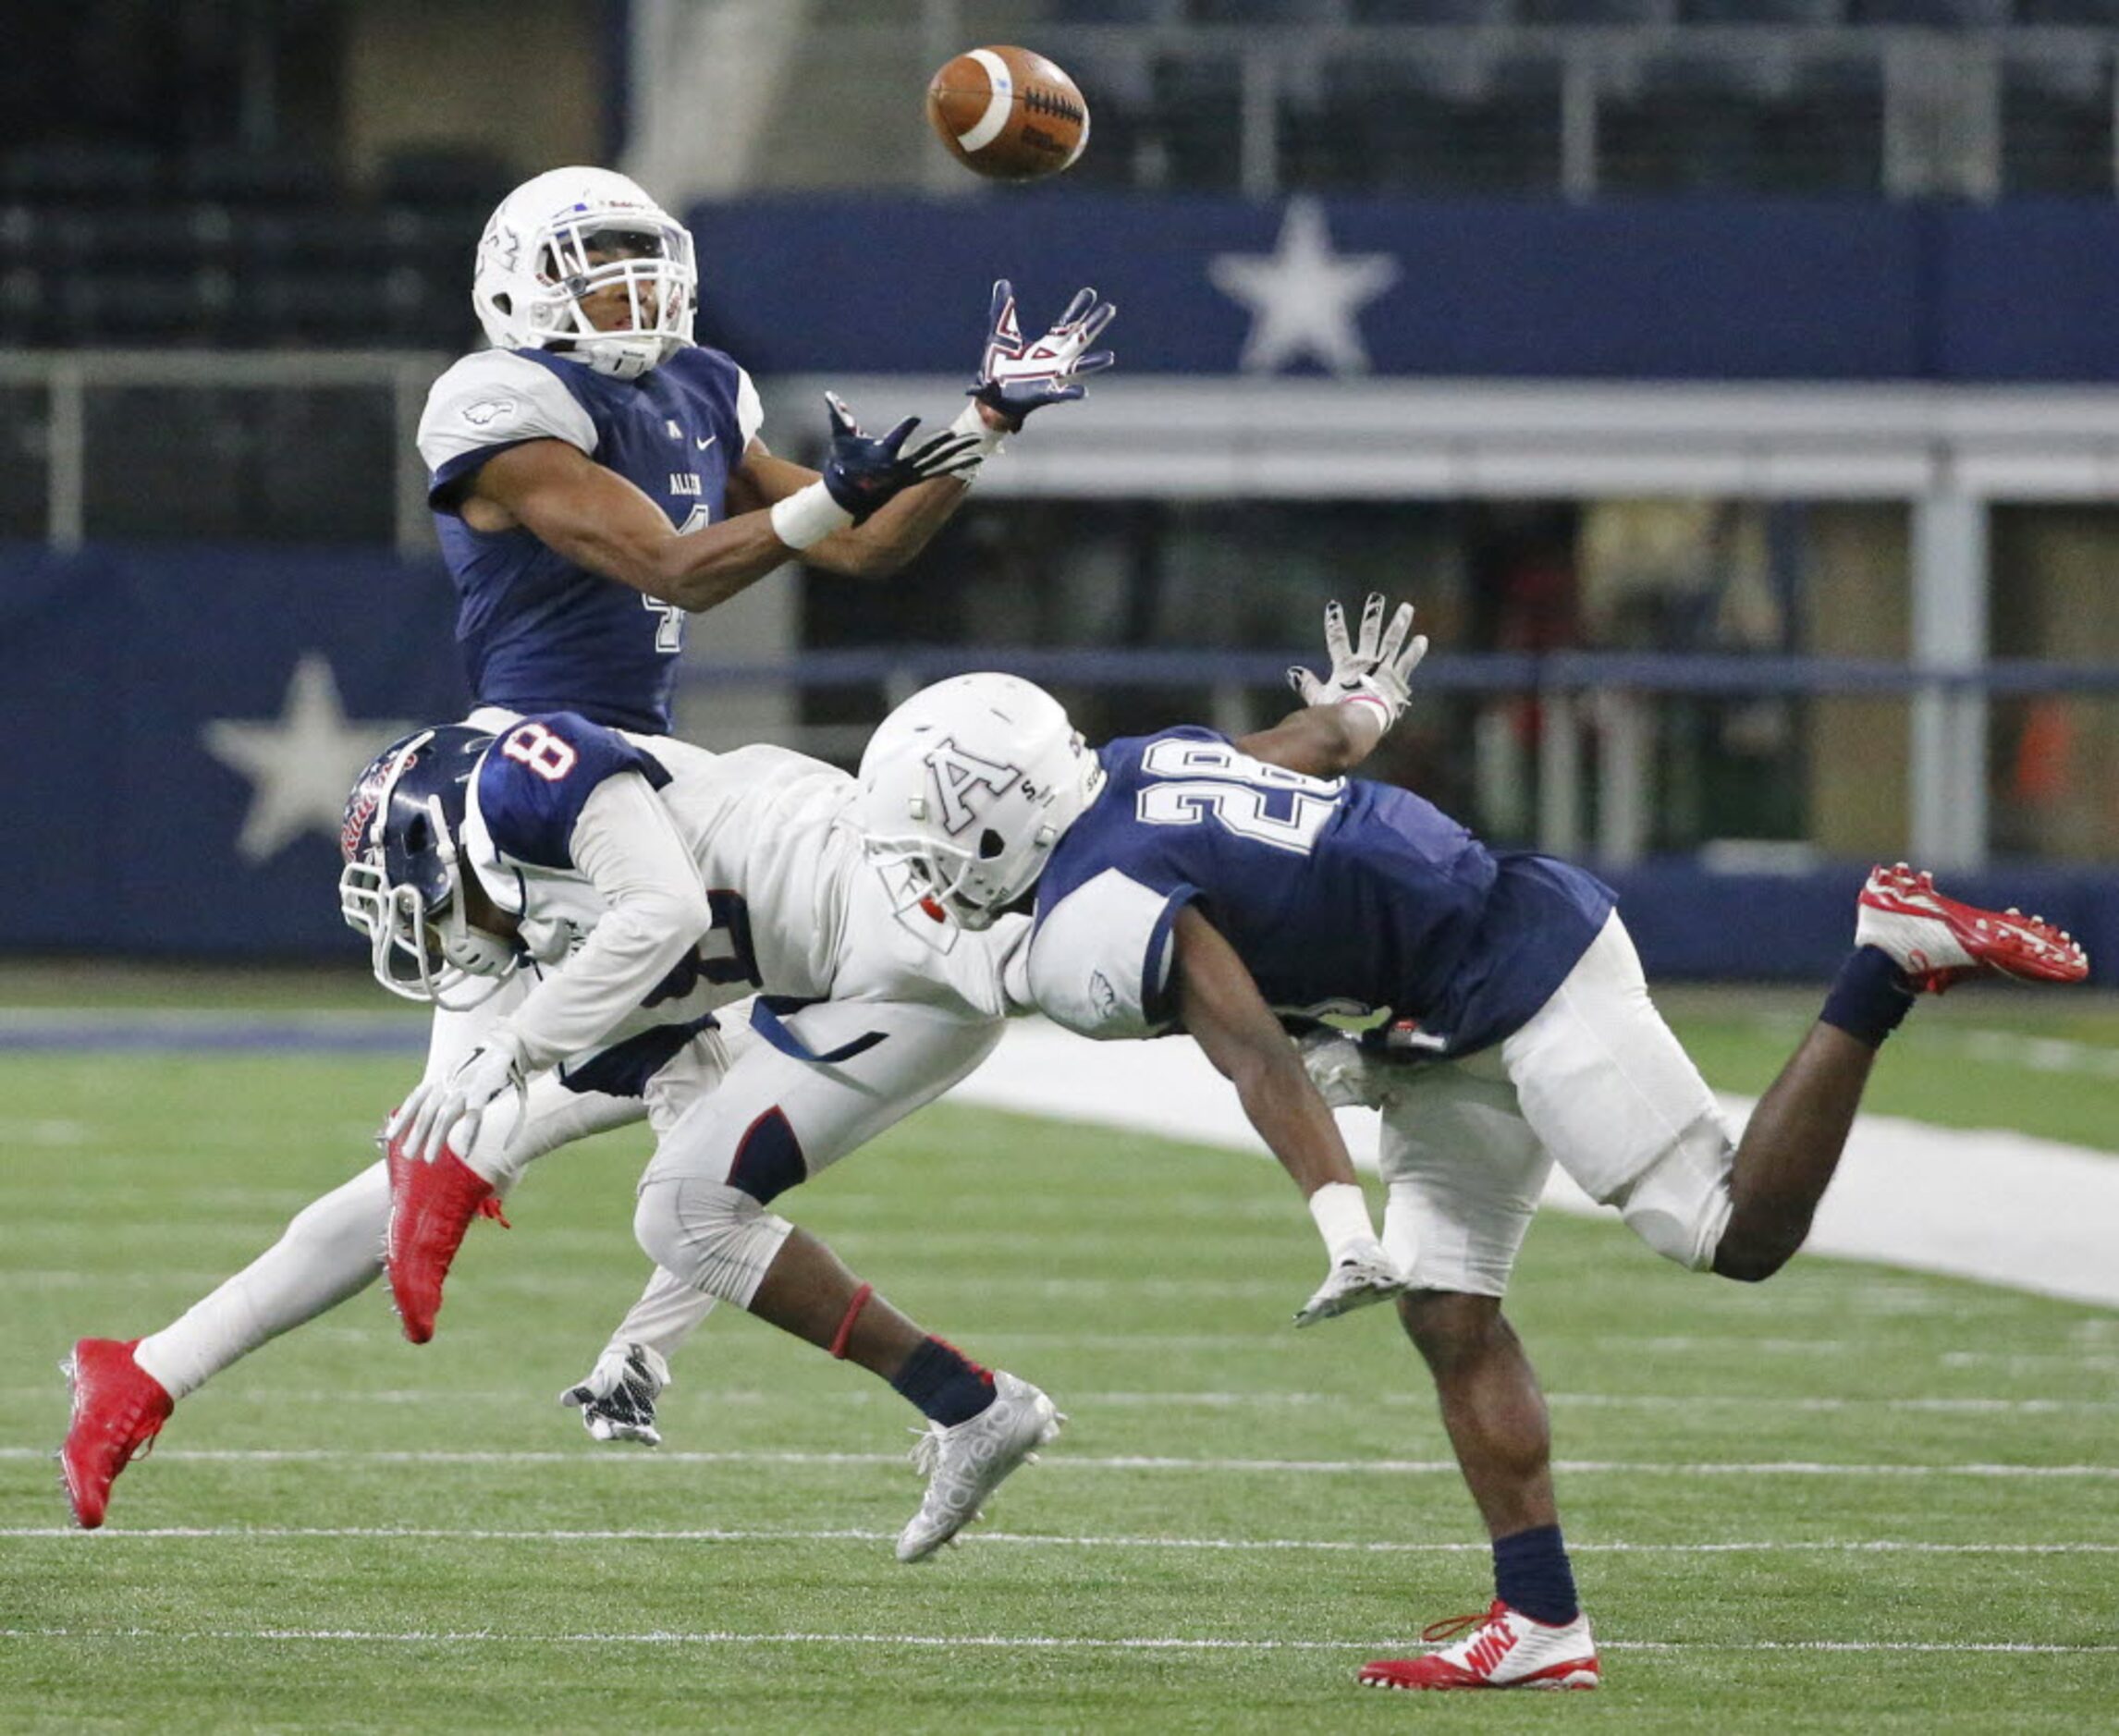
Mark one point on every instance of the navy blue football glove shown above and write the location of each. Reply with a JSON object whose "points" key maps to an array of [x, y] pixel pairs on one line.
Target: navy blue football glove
{"points": [[862, 471], [1015, 378]]}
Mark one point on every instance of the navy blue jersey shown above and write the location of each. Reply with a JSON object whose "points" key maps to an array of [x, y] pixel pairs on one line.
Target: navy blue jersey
{"points": [[1339, 895], [537, 632]]}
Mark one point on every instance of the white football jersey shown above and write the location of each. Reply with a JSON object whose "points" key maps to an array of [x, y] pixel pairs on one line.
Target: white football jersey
{"points": [[669, 881]]}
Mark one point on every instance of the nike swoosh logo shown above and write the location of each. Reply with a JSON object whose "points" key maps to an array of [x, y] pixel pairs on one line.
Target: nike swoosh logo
{"points": [[709, 440]]}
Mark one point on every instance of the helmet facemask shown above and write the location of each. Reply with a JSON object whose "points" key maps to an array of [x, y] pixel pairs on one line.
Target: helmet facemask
{"points": [[402, 885]]}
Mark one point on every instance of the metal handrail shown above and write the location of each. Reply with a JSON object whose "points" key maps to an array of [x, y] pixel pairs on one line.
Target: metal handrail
{"points": [[1458, 672]]}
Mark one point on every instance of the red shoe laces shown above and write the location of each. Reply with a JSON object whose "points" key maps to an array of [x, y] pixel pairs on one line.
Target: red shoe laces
{"points": [[1451, 1626]]}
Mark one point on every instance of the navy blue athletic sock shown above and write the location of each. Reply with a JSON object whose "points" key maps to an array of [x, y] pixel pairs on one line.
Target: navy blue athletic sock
{"points": [[1868, 996], [1531, 1575], [946, 1384]]}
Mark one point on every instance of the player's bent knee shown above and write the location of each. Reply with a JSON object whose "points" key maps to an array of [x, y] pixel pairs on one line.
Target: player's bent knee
{"points": [[715, 1238], [1451, 1329], [1680, 1204]]}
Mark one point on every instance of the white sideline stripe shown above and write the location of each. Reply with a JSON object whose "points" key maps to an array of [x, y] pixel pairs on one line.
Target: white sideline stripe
{"points": [[1038, 1540], [1001, 1641], [1110, 1461], [2002, 1207]]}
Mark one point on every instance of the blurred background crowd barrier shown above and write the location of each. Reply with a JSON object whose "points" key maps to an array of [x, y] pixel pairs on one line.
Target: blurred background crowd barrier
{"points": [[1733, 384]]}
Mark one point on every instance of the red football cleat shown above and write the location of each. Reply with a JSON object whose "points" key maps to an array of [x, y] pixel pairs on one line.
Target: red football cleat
{"points": [[119, 1408], [1505, 1649], [1937, 942], [430, 1207]]}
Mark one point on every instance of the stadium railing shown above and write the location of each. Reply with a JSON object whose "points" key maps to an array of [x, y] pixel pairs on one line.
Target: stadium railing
{"points": [[1596, 733]]}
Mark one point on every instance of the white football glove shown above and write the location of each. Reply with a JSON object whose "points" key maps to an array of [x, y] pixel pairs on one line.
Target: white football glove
{"points": [[1376, 669], [1338, 1067], [1015, 378], [1361, 1276], [446, 1113], [617, 1398]]}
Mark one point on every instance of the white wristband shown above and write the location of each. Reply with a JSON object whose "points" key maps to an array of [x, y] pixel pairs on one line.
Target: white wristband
{"points": [[969, 422], [809, 514], [1340, 1212], [1370, 705]]}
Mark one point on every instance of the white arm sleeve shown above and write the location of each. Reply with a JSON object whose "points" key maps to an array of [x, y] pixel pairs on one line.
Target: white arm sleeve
{"points": [[1099, 963], [628, 846], [750, 412], [496, 399]]}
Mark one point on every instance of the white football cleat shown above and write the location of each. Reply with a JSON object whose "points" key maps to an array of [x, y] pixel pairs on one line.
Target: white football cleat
{"points": [[1360, 1277], [965, 1463], [1504, 1649], [1936, 941]]}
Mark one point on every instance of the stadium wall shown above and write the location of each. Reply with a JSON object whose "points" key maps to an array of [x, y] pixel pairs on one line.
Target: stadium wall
{"points": [[184, 742], [1675, 289]]}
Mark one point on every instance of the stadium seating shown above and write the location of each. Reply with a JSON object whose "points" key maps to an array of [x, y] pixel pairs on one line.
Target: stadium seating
{"points": [[1434, 125], [211, 241], [2056, 127], [1690, 124], [115, 245]]}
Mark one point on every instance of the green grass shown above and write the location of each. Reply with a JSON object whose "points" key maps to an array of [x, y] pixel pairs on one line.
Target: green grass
{"points": [[742, 1577]]}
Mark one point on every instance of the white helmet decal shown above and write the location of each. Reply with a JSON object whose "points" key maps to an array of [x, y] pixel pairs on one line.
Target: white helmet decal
{"points": [[967, 787], [955, 774]]}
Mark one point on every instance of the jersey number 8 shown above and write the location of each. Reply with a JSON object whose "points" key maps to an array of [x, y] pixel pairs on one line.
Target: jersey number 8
{"points": [[548, 755]]}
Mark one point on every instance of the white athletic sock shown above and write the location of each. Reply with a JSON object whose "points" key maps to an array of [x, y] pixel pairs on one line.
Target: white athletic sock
{"points": [[668, 1312], [331, 1250], [552, 1117]]}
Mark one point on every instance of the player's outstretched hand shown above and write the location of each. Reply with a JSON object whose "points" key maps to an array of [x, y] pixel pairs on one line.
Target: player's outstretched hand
{"points": [[448, 1112], [1361, 1276], [1015, 378], [616, 1397], [862, 471], [1376, 669]]}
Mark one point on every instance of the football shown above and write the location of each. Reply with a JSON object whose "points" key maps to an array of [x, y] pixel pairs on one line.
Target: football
{"points": [[1008, 113]]}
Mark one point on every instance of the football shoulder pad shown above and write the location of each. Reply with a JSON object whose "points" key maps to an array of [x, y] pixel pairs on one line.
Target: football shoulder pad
{"points": [[1100, 960], [496, 397], [537, 775]]}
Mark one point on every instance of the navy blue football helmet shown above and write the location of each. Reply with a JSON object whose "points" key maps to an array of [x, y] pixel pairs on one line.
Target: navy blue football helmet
{"points": [[402, 884]]}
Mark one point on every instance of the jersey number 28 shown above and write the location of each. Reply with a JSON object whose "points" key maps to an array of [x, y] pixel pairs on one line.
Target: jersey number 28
{"points": [[1265, 803]]}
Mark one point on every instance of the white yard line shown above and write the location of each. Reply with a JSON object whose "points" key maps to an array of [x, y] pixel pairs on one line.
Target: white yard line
{"points": [[1203, 1465], [273, 1398], [2002, 1207], [958, 1641], [267, 1534]]}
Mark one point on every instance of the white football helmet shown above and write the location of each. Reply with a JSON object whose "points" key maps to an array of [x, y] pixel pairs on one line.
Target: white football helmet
{"points": [[966, 788], [535, 265]]}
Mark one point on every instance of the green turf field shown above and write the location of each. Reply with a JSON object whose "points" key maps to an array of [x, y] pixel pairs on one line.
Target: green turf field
{"points": [[1852, 1498]]}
